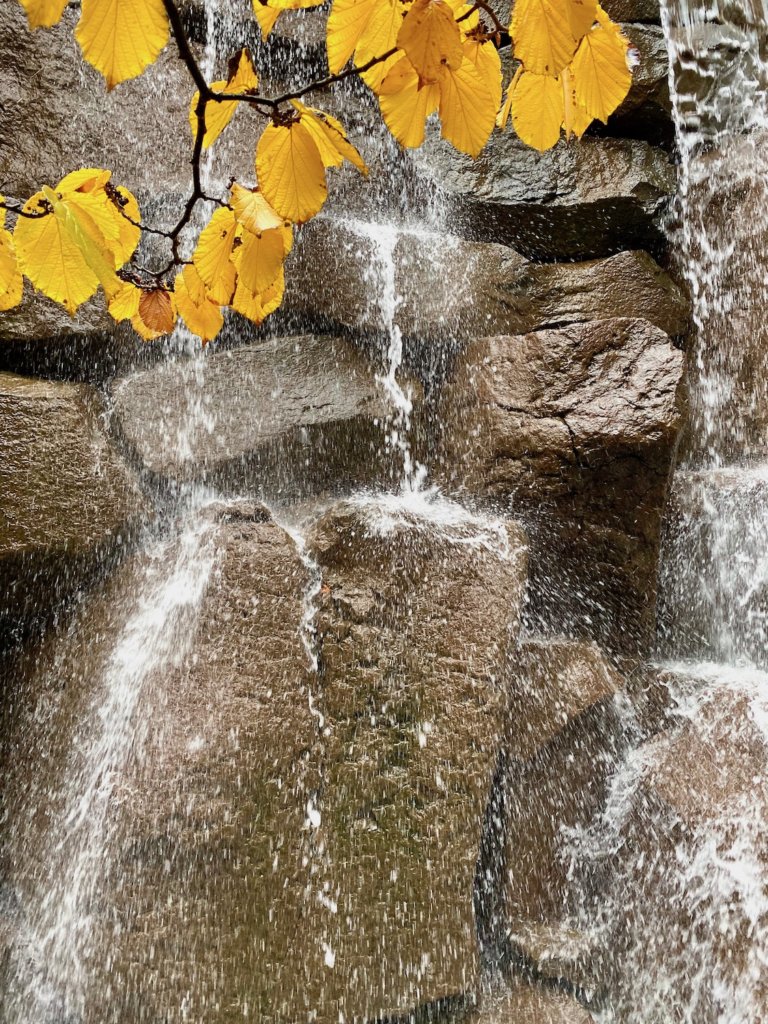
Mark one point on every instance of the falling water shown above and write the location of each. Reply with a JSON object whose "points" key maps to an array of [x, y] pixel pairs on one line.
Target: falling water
{"points": [[678, 856]]}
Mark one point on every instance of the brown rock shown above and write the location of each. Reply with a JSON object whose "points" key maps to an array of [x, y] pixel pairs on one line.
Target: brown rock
{"points": [[573, 202], [300, 841], [522, 1003], [556, 778], [449, 290], [576, 427], [68, 500], [290, 415]]}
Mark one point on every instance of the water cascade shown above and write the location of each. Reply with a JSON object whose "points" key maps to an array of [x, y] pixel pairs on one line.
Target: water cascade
{"points": [[331, 688]]}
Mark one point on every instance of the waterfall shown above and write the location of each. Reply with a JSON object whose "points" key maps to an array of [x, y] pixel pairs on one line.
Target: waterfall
{"points": [[676, 862]]}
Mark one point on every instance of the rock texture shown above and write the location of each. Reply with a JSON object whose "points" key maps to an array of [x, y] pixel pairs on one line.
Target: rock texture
{"points": [[521, 1003], [288, 416], [257, 799], [68, 500], [575, 426], [572, 202], [561, 748], [449, 290]]}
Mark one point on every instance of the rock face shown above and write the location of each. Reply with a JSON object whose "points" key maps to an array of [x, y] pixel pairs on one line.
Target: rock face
{"points": [[68, 501], [529, 1004], [449, 290], [258, 799], [572, 202], [576, 427], [288, 416], [561, 747]]}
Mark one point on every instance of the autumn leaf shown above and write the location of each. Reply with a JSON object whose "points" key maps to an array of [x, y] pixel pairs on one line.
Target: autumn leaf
{"points": [[252, 210], [538, 110], [330, 138], [485, 57], [575, 118], [211, 257], [121, 38], [291, 172], [43, 13], [11, 280], [467, 108], [124, 303], [201, 314], [347, 24], [546, 33], [268, 11], [257, 307], [259, 259], [599, 73], [431, 39], [405, 104], [156, 315], [379, 38], [219, 114], [506, 109]]}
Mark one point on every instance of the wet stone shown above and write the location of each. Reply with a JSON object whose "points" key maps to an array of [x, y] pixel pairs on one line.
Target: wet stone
{"points": [[523, 1003], [575, 429], [287, 417], [69, 502]]}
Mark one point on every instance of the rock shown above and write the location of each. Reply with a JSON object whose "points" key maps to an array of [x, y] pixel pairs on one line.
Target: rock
{"points": [[576, 201], [449, 291], [289, 416], [69, 503], [633, 10], [553, 953], [556, 776], [302, 841], [522, 1003], [650, 77], [680, 859], [575, 428]]}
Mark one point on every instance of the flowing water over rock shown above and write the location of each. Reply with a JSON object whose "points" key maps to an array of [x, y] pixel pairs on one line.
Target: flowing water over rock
{"points": [[330, 697]]}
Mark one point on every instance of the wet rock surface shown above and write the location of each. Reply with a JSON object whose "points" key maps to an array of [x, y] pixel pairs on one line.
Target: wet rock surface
{"points": [[572, 202], [69, 502], [288, 416], [575, 426], [449, 291]]}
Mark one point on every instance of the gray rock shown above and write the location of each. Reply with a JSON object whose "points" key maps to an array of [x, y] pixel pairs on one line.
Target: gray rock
{"points": [[576, 201], [522, 1003], [288, 417], [442, 291], [68, 500], [633, 10], [300, 841], [575, 427]]}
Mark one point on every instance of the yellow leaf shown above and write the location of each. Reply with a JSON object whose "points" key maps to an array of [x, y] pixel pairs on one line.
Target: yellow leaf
{"points": [[43, 13], [258, 307], [124, 304], [469, 14], [467, 109], [62, 253], [290, 171], [575, 118], [405, 106], [202, 315], [347, 23], [266, 17], [538, 110], [379, 38], [287, 238], [431, 39], [156, 315], [11, 281], [599, 72], [120, 38], [546, 33], [211, 258], [219, 114], [503, 115], [259, 259], [253, 211], [487, 63], [331, 139]]}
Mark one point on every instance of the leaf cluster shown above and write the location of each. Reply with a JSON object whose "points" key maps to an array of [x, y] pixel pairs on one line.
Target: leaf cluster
{"points": [[419, 57]]}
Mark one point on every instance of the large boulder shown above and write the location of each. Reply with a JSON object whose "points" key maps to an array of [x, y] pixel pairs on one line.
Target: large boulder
{"points": [[293, 773], [445, 291], [571, 202], [288, 416], [575, 427], [69, 502]]}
